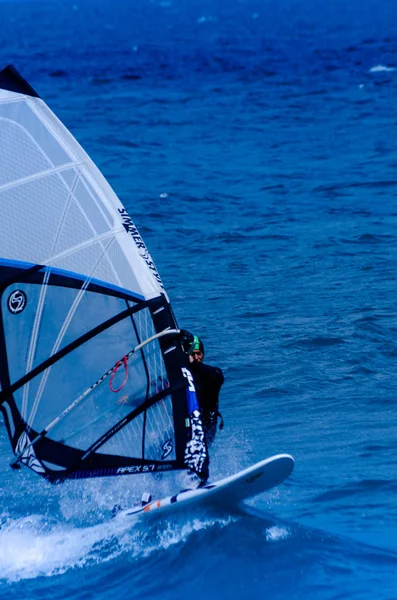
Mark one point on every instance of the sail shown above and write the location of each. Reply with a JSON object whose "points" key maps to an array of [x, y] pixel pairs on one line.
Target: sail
{"points": [[92, 380]]}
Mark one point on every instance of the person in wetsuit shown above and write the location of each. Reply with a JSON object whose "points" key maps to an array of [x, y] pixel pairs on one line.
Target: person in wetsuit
{"points": [[208, 381]]}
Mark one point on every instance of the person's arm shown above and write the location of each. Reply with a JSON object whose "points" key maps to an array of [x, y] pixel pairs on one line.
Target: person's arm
{"points": [[214, 379]]}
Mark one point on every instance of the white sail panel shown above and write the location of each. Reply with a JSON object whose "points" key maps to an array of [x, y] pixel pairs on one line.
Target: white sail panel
{"points": [[65, 206], [20, 153]]}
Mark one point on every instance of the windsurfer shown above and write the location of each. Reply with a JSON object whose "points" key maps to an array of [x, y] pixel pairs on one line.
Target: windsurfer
{"points": [[208, 381]]}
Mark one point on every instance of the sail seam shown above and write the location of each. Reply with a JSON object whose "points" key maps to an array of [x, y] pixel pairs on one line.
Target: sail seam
{"points": [[74, 249], [36, 176], [11, 99]]}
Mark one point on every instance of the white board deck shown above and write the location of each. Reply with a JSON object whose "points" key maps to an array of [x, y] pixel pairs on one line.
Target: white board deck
{"points": [[225, 493]]}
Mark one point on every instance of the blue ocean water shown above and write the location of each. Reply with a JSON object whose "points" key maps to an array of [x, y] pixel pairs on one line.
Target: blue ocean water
{"points": [[254, 144]]}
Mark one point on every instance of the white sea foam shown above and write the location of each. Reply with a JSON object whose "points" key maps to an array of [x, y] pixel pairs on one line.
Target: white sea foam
{"points": [[381, 68], [276, 533], [31, 547]]}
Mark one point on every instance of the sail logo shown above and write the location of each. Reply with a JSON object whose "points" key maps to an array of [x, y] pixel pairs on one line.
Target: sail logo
{"points": [[135, 469], [28, 456], [167, 448], [16, 302], [130, 228], [186, 373]]}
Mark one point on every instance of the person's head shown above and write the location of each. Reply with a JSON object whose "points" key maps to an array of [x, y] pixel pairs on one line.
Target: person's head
{"points": [[196, 352]]}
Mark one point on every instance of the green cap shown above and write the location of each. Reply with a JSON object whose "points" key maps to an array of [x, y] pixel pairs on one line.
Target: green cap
{"points": [[197, 345]]}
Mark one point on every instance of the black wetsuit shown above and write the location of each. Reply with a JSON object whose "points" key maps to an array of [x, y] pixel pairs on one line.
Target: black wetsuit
{"points": [[208, 382]]}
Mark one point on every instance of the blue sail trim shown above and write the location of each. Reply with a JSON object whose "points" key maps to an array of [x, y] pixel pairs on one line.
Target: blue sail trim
{"points": [[69, 278]]}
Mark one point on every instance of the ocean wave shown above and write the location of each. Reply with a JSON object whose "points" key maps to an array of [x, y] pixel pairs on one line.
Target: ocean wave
{"points": [[33, 546]]}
